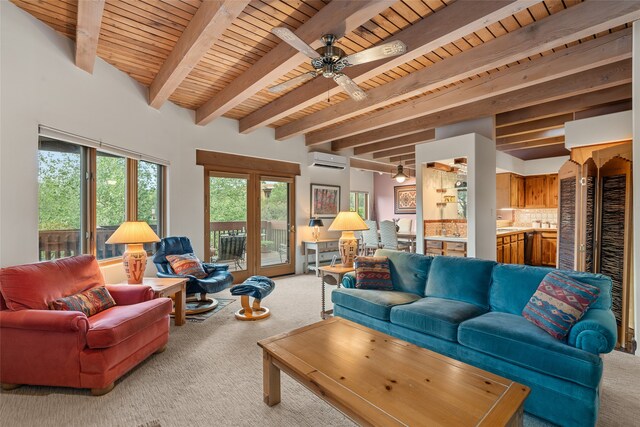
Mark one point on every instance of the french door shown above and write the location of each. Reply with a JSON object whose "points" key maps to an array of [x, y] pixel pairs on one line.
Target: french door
{"points": [[249, 222]]}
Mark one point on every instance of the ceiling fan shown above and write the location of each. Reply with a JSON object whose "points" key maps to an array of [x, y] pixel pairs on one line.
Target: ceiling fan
{"points": [[330, 60]]}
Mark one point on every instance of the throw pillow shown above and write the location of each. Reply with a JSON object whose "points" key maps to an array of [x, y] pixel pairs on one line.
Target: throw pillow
{"points": [[187, 265], [559, 302], [373, 273], [90, 302]]}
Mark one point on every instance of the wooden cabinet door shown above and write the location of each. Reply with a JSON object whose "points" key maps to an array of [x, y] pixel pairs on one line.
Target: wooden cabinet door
{"points": [[499, 256], [513, 246], [506, 253], [503, 191], [521, 248], [536, 256], [535, 191], [549, 248], [552, 190], [521, 192], [513, 191]]}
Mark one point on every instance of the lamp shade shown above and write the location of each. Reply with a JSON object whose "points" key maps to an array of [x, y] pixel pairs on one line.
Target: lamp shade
{"points": [[131, 232], [348, 221], [315, 222]]}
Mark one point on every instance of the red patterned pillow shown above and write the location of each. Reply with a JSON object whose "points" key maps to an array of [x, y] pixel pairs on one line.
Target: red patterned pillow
{"points": [[90, 302], [187, 265], [373, 273]]}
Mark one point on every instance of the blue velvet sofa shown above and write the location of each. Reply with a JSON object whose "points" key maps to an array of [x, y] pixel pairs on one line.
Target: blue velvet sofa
{"points": [[470, 309]]}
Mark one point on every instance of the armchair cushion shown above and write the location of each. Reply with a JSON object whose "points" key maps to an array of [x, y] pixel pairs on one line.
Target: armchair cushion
{"points": [[186, 265], [118, 323], [32, 286], [89, 302], [130, 294]]}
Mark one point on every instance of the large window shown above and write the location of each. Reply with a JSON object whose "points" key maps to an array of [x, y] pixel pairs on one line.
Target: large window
{"points": [[85, 194], [359, 202]]}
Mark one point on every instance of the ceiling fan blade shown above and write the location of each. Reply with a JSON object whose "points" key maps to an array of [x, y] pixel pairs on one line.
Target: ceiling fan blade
{"points": [[350, 87], [289, 37], [386, 50], [292, 82]]}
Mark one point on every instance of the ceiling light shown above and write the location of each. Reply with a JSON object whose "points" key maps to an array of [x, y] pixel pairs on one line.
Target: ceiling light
{"points": [[400, 176]]}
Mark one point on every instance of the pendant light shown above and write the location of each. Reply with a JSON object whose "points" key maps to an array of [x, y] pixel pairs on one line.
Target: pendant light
{"points": [[400, 176]]}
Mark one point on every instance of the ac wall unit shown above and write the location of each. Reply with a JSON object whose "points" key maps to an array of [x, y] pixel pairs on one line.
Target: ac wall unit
{"points": [[325, 160]]}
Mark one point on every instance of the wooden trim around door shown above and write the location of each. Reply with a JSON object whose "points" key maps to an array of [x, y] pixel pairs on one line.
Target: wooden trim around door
{"points": [[225, 162]]}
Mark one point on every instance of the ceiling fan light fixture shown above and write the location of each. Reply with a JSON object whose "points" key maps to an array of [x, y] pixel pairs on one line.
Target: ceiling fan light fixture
{"points": [[400, 176]]}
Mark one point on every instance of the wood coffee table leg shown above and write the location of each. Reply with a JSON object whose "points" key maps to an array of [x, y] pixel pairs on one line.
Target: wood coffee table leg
{"points": [[270, 380], [180, 306]]}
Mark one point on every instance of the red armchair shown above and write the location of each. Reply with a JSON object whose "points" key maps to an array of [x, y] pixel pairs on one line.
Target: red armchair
{"points": [[67, 348]]}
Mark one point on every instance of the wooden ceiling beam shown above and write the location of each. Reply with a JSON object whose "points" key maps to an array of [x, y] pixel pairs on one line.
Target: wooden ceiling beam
{"points": [[601, 79], [207, 25], [394, 152], [402, 141], [405, 159], [544, 152], [378, 135], [373, 166], [87, 33], [531, 136], [601, 110], [556, 140], [438, 29], [553, 122], [574, 23], [594, 53], [566, 105], [338, 17]]}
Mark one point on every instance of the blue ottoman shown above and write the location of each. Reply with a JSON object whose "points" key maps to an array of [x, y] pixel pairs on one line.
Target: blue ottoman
{"points": [[257, 287]]}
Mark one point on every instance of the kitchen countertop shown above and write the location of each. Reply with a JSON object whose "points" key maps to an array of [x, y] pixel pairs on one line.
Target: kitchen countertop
{"points": [[447, 238], [516, 230]]}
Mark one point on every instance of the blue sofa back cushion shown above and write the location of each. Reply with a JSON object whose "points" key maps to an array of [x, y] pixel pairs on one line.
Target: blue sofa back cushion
{"points": [[409, 271], [513, 285], [461, 279]]}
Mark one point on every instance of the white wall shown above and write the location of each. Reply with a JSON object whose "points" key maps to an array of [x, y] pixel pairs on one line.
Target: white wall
{"points": [[41, 85], [384, 198], [508, 163], [599, 130], [481, 188]]}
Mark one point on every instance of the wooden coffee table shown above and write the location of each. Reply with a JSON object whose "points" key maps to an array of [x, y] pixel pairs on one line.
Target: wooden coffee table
{"points": [[376, 379]]}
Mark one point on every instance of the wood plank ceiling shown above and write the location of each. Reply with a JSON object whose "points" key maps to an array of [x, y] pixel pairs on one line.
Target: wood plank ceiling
{"points": [[533, 64]]}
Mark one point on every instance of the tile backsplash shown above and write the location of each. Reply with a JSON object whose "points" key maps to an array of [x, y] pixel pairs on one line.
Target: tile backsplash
{"points": [[524, 217]]}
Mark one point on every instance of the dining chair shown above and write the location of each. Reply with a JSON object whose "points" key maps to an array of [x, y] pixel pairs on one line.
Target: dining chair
{"points": [[370, 237], [389, 236], [405, 225]]}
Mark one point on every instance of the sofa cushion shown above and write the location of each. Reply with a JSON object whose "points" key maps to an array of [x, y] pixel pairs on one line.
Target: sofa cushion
{"points": [[513, 338], [461, 279], [435, 316], [409, 271], [187, 265], [372, 272], [513, 285], [559, 303], [89, 302], [33, 286], [118, 323], [374, 303]]}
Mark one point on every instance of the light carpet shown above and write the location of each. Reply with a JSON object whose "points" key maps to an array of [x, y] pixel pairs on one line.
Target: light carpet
{"points": [[211, 374]]}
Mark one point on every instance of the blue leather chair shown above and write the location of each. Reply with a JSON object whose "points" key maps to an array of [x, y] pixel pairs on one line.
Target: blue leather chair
{"points": [[218, 277]]}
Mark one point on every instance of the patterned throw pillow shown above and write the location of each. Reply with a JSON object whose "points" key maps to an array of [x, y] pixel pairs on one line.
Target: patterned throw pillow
{"points": [[187, 264], [90, 302], [559, 302], [373, 273]]}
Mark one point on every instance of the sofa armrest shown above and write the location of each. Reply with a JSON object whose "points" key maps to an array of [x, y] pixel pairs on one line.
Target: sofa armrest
{"points": [[349, 280], [596, 332], [44, 320], [130, 294], [176, 276]]}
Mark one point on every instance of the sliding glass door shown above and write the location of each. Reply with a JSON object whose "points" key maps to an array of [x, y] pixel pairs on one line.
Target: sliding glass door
{"points": [[250, 223]]}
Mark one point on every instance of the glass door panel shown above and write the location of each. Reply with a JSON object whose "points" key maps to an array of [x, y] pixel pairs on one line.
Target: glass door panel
{"points": [[228, 223], [276, 226]]}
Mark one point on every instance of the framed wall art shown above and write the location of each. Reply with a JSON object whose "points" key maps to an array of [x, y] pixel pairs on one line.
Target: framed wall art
{"points": [[404, 199], [325, 201]]}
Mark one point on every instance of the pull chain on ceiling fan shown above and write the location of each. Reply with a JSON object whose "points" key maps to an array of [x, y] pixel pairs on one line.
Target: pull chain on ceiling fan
{"points": [[329, 61]]}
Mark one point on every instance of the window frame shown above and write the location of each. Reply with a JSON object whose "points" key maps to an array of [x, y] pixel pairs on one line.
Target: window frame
{"points": [[88, 221], [357, 195]]}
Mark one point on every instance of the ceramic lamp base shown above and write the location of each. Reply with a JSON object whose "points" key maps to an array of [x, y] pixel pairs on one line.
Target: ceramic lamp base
{"points": [[348, 245], [134, 260]]}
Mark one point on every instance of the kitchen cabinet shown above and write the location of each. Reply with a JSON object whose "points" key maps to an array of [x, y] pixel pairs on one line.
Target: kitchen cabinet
{"points": [[446, 248], [510, 191], [548, 250], [535, 191], [510, 248], [552, 190]]}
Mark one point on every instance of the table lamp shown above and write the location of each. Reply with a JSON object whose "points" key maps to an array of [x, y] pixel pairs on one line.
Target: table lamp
{"points": [[316, 224], [134, 234], [348, 222]]}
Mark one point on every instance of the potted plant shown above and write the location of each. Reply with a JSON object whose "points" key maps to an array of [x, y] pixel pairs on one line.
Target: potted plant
{"points": [[266, 246]]}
